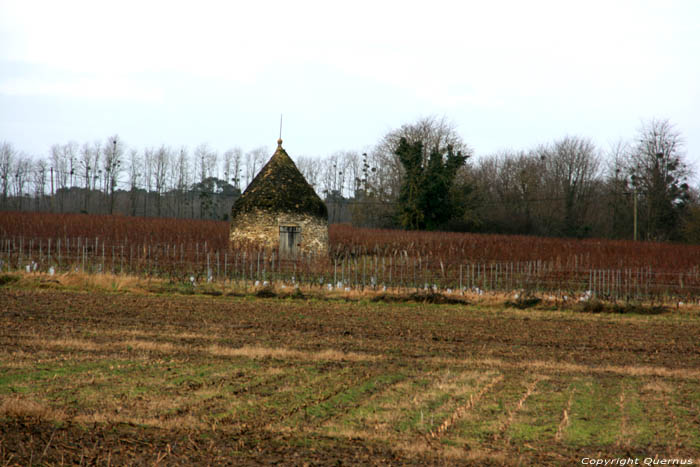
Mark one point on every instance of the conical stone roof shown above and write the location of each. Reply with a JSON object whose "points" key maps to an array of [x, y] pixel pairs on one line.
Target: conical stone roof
{"points": [[280, 187]]}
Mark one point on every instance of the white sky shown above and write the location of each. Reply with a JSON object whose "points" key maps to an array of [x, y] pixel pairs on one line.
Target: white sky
{"points": [[509, 74]]}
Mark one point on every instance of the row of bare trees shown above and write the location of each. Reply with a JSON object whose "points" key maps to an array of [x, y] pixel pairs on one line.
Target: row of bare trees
{"points": [[571, 188], [568, 187], [110, 177]]}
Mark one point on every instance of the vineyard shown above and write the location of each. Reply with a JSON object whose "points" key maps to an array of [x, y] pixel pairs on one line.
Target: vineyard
{"points": [[197, 251], [146, 376]]}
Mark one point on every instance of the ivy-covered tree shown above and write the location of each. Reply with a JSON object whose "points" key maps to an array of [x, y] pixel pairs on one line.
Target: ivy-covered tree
{"points": [[426, 197], [411, 214]]}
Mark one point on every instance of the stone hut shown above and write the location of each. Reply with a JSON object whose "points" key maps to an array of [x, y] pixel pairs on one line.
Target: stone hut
{"points": [[280, 209]]}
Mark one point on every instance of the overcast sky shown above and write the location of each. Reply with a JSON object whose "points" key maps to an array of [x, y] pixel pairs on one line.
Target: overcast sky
{"points": [[509, 74]]}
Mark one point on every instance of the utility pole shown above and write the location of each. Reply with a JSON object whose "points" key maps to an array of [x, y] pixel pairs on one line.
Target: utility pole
{"points": [[51, 188], [634, 208], [635, 214], [110, 174]]}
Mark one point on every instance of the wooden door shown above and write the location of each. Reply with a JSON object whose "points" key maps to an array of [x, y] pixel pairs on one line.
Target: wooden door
{"points": [[290, 240]]}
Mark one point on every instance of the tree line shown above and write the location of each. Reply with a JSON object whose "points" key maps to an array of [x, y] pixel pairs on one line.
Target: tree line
{"points": [[420, 176], [108, 177], [427, 178]]}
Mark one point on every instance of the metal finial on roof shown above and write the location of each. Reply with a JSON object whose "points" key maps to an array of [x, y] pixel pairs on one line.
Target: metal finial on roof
{"points": [[279, 141]]}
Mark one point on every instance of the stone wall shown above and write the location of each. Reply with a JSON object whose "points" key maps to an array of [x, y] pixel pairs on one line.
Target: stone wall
{"points": [[263, 228]]}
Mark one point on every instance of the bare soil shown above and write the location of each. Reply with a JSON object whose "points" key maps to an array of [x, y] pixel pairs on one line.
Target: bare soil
{"points": [[136, 379]]}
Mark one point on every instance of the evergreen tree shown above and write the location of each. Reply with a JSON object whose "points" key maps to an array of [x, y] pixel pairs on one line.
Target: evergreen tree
{"points": [[410, 195], [426, 198]]}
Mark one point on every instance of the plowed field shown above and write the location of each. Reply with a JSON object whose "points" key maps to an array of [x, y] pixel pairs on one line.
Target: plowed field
{"points": [[117, 379]]}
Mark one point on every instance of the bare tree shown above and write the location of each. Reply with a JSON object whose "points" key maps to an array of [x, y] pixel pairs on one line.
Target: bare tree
{"points": [[135, 176], [226, 163], [254, 160], [96, 158], [212, 164], [86, 169], [660, 174], [232, 166], [70, 153], [525, 173], [573, 168], [88, 165], [148, 162], [512, 185], [40, 176], [112, 166], [333, 173], [20, 177], [161, 162], [181, 168], [310, 169], [59, 164], [352, 171], [237, 167], [7, 157], [617, 195], [205, 161], [345, 164]]}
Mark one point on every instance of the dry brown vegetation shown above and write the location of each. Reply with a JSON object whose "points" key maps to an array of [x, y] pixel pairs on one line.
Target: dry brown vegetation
{"points": [[186, 251], [346, 240]]}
